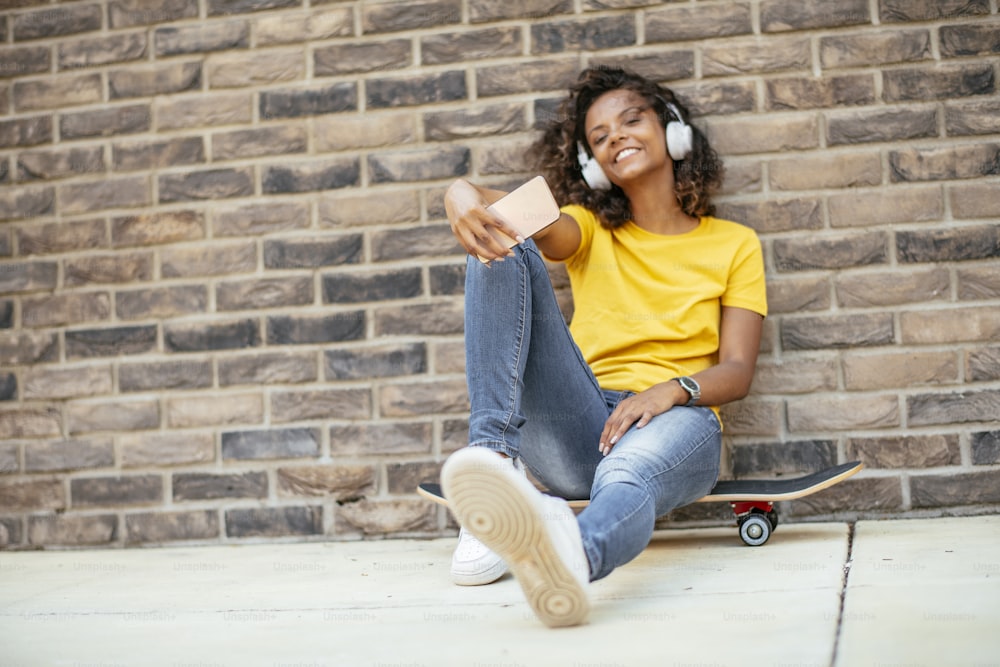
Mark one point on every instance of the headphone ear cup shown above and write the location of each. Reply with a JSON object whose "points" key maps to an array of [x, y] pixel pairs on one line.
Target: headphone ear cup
{"points": [[680, 140], [593, 175]]}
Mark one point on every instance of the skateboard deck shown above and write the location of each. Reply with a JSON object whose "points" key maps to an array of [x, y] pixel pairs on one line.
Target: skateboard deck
{"points": [[751, 500]]}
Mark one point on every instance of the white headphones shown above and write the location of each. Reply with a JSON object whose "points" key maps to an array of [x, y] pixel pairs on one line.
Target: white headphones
{"points": [[679, 143]]}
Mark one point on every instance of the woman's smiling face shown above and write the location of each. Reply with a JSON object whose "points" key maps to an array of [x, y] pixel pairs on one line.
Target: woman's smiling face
{"points": [[625, 136]]}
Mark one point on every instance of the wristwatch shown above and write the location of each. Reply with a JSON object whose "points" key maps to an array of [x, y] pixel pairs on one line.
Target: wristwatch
{"points": [[692, 388]]}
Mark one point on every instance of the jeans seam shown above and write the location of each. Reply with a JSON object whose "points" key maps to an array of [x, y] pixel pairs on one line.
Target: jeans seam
{"points": [[512, 397]]}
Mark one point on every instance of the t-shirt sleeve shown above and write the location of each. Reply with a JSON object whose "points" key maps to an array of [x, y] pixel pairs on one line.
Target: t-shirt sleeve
{"points": [[746, 287], [588, 222]]}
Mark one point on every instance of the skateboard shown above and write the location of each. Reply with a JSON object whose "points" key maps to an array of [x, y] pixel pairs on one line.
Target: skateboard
{"points": [[752, 500]]}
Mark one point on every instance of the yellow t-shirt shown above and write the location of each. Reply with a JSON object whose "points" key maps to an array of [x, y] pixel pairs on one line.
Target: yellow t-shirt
{"points": [[647, 306]]}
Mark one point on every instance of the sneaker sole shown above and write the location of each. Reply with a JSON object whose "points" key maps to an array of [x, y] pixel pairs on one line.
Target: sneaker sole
{"points": [[503, 510]]}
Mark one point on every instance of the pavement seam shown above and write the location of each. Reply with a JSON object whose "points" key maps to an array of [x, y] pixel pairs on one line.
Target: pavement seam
{"points": [[843, 592]]}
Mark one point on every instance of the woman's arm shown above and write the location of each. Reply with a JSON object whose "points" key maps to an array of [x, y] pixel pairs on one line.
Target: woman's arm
{"points": [[466, 204], [727, 381]]}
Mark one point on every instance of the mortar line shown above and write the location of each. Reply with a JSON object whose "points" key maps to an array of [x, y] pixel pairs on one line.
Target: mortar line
{"points": [[843, 592]]}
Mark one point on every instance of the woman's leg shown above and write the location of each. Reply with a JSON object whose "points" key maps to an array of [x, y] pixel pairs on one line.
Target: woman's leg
{"points": [[670, 462], [532, 395]]}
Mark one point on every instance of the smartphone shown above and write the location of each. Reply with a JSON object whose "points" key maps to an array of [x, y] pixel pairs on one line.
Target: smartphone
{"points": [[529, 209]]}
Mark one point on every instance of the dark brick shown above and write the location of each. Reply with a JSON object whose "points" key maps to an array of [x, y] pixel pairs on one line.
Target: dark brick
{"points": [[430, 241], [974, 488], [11, 529], [123, 13], [489, 10], [156, 154], [348, 287], [56, 21], [161, 302], [948, 163], [299, 102], [892, 125], [325, 175], [952, 244], [470, 45], [837, 331], [678, 24], [121, 490], [182, 374], [274, 522], [864, 494], [986, 448], [300, 253], [67, 308], [486, 121], [217, 7], [26, 131], [416, 89], [953, 408], [420, 165], [23, 60], [587, 35], [983, 365], [73, 530], [103, 50], [969, 40], [49, 165], [29, 276], [781, 15], [776, 216], [810, 93], [830, 253], [105, 122], [172, 41], [208, 486], [404, 477], [117, 268], [264, 293], [863, 49], [448, 279], [410, 15], [939, 83], [8, 387], [288, 330], [274, 140], [894, 11], [75, 454], [432, 319], [209, 185], [267, 369], [230, 335], [26, 202], [28, 423], [155, 80], [325, 404], [271, 444], [159, 527], [532, 76], [726, 58], [366, 363], [915, 451], [755, 460], [110, 342], [362, 57]]}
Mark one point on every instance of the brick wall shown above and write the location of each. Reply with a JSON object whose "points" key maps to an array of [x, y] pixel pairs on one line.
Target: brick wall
{"points": [[231, 305]]}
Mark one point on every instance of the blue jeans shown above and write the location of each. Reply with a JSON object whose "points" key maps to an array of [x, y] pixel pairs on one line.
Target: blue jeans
{"points": [[533, 396]]}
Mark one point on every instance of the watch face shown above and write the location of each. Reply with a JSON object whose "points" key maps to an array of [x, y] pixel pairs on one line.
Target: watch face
{"points": [[688, 385]]}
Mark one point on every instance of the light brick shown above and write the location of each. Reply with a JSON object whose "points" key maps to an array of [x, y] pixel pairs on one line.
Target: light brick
{"points": [[73, 530], [166, 449], [950, 325], [773, 134], [68, 455], [305, 405], [929, 451], [252, 69], [337, 482], [412, 399], [739, 57], [45, 382], [818, 413], [882, 207], [316, 26], [826, 171], [372, 517], [863, 49], [203, 109], [890, 288], [214, 410], [367, 131], [865, 372], [119, 415]]}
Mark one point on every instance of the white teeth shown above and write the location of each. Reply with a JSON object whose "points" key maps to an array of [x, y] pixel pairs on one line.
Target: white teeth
{"points": [[625, 153]]}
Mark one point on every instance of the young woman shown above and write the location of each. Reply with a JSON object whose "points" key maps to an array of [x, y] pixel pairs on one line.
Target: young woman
{"points": [[621, 406]]}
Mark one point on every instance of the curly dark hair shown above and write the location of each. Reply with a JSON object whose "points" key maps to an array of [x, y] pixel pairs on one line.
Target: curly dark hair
{"points": [[554, 154]]}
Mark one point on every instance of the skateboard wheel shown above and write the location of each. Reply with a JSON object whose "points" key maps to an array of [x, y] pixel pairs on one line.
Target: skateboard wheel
{"points": [[772, 518], [755, 529]]}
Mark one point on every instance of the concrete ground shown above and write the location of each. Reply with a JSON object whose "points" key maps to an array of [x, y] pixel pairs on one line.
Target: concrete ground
{"points": [[918, 592]]}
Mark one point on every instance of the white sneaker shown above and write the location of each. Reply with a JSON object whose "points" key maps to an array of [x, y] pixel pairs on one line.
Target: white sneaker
{"points": [[536, 535], [473, 563]]}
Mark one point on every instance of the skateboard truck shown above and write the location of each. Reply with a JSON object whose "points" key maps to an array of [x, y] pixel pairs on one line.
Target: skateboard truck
{"points": [[756, 521]]}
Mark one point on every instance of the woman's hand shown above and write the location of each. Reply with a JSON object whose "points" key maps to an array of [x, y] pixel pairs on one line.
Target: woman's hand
{"points": [[639, 410], [471, 223]]}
